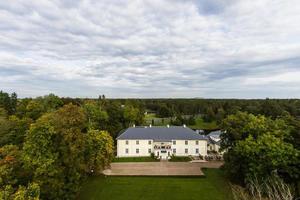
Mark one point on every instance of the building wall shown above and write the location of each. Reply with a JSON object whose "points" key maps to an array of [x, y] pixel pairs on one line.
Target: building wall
{"points": [[213, 147], [143, 147], [191, 147]]}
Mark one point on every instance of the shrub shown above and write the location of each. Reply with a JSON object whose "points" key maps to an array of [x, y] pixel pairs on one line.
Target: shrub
{"points": [[180, 159]]}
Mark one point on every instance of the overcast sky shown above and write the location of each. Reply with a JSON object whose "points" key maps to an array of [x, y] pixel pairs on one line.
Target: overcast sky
{"points": [[151, 48]]}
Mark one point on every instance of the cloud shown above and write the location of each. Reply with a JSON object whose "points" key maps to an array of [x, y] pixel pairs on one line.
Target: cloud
{"points": [[157, 48]]}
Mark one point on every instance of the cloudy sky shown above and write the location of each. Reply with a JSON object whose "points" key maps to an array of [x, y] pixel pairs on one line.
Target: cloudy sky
{"points": [[151, 48]]}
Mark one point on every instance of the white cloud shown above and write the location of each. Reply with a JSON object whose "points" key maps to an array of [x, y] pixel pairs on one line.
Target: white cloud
{"points": [[157, 48]]}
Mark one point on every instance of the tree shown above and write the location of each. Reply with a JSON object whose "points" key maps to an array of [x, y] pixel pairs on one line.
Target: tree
{"points": [[54, 151], [99, 151], [31, 192], [271, 108], [13, 103], [9, 103], [241, 125], [256, 146], [164, 111], [209, 115], [266, 154], [97, 118], [131, 115], [34, 109], [13, 130]]}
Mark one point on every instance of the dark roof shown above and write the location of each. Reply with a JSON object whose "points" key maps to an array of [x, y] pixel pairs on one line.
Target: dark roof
{"points": [[211, 141], [215, 133], [213, 136], [160, 133]]}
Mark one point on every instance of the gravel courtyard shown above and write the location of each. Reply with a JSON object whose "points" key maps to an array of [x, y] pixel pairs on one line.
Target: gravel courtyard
{"points": [[159, 168]]}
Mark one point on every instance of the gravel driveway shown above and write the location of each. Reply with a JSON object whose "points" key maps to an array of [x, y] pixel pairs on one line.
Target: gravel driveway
{"points": [[159, 168]]}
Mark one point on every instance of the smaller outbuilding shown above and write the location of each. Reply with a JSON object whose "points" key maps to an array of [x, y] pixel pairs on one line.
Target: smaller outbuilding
{"points": [[214, 141]]}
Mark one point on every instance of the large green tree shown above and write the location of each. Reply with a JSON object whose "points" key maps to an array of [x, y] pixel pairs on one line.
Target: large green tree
{"points": [[98, 151], [258, 145]]}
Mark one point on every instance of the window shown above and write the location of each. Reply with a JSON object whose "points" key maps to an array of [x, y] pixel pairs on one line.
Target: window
{"points": [[174, 150], [197, 151], [186, 142], [197, 142], [149, 142], [186, 151], [137, 151], [149, 150], [127, 142], [174, 142], [137, 142], [126, 151]]}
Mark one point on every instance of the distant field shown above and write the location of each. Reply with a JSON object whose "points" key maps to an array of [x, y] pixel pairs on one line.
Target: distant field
{"points": [[157, 120], [212, 187], [200, 124]]}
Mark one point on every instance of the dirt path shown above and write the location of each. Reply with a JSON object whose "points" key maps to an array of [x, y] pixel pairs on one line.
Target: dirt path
{"points": [[159, 168]]}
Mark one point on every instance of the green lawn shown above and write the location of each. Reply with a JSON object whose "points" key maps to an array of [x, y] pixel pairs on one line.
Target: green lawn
{"points": [[200, 124], [135, 159], [212, 187]]}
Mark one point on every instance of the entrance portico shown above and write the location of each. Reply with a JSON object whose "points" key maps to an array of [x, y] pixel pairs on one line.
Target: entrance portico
{"points": [[162, 149]]}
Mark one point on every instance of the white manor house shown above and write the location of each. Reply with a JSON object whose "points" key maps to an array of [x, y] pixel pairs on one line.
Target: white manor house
{"points": [[162, 141]]}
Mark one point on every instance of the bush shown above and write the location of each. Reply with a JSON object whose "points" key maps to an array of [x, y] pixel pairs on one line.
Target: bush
{"points": [[180, 159]]}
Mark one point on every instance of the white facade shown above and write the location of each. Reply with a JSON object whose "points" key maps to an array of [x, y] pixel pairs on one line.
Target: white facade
{"points": [[164, 149], [213, 147]]}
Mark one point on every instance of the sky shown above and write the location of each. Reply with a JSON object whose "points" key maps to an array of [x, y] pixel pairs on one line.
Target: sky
{"points": [[151, 48]]}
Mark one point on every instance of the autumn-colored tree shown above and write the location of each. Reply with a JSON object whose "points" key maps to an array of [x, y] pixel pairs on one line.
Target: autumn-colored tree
{"points": [[54, 151], [60, 151]]}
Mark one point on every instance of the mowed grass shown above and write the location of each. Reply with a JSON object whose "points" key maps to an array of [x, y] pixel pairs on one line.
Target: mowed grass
{"points": [[200, 124], [212, 187]]}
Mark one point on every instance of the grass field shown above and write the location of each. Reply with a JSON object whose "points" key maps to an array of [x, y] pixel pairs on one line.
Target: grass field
{"points": [[212, 187], [200, 124], [135, 159]]}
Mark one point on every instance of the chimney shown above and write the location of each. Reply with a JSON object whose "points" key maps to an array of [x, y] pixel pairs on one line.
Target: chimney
{"points": [[133, 125], [184, 125], [168, 125], [150, 125]]}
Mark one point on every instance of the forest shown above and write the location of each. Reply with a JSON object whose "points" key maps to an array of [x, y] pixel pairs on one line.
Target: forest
{"points": [[49, 145]]}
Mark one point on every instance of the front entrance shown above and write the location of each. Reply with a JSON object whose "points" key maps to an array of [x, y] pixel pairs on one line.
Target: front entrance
{"points": [[162, 150], [164, 154]]}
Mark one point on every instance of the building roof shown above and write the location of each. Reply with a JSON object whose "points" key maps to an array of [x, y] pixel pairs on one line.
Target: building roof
{"points": [[160, 133], [214, 137], [212, 141], [215, 133]]}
